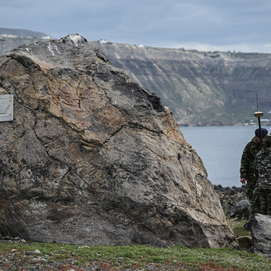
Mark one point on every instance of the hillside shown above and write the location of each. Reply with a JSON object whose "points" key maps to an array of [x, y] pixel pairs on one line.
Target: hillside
{"points": [[201, 88], [13, 38]]}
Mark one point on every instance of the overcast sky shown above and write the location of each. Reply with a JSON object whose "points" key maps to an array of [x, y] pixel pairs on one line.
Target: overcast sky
{"points": [[235, 25]]}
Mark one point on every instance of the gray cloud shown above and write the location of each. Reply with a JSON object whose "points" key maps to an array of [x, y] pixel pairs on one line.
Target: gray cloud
{"points": [[241, 25]]}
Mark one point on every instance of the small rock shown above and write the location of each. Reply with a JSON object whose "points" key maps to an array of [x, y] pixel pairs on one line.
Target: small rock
{"points": [[36, 252], [28, 253], [244, 241], [261, 235]]}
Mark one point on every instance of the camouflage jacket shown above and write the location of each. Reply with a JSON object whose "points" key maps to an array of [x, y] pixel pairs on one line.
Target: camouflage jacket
{"points": [[263, 168], [247, 168]]}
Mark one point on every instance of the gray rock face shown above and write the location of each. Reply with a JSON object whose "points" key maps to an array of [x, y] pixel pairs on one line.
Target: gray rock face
{"points": [[241, 209], [261, 235], [92, 158]]}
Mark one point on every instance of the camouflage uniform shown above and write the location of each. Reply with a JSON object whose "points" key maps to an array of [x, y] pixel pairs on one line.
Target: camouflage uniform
{"points": [[247, 169], [263, 172]]}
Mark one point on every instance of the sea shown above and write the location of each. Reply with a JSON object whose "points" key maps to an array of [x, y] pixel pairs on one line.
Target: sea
{"points": [[221, 148]]}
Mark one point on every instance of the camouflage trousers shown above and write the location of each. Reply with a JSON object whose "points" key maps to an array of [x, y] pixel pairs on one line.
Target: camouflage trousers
{"points": [[265, 201], [250, 187], [253, 196], [255, 203]]}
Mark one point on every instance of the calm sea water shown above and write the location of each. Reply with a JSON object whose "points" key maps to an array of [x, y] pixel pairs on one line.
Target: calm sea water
{"points": [[220, 149]]}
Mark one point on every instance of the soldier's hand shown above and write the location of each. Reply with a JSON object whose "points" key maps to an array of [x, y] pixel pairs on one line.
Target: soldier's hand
{"points": [[243, 180]]}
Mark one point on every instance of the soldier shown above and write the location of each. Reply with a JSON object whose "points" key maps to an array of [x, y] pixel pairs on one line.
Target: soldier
{"points": [[263, 174], [247, 172]]}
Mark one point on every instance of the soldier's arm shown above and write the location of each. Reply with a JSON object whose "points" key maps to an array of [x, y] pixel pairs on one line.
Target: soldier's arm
{"points": [[245, 162]]}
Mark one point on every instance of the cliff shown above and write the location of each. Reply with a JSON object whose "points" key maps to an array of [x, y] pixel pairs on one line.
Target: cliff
{"points": [[201, 88], [13, 38]]}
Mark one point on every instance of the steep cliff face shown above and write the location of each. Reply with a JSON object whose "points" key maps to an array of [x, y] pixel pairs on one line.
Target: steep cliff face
{"points": [[93, 158], [202, 88]]}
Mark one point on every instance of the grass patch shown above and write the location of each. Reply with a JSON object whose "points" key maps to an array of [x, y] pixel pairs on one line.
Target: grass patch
{"points": [[237, 227], [82, 257], [136, 257]]}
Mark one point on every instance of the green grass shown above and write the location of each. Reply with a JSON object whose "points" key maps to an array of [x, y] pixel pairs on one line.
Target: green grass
{"points": [[137, 257], [238, 227], [82, 257]]}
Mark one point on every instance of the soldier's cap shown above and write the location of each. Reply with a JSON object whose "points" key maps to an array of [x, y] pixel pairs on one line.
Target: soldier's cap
{"points": [[264, 132], [267, 138]]}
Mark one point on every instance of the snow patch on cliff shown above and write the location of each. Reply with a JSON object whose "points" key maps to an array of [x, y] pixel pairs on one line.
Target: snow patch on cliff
{"points": [[76, 39]]}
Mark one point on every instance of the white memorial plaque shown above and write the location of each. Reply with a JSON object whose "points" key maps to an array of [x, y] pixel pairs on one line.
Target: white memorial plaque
{"points": [[6, 107]]}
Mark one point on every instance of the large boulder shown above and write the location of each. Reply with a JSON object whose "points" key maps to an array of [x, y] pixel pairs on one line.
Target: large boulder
{"points": [[93, 158], [261, 235]]}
